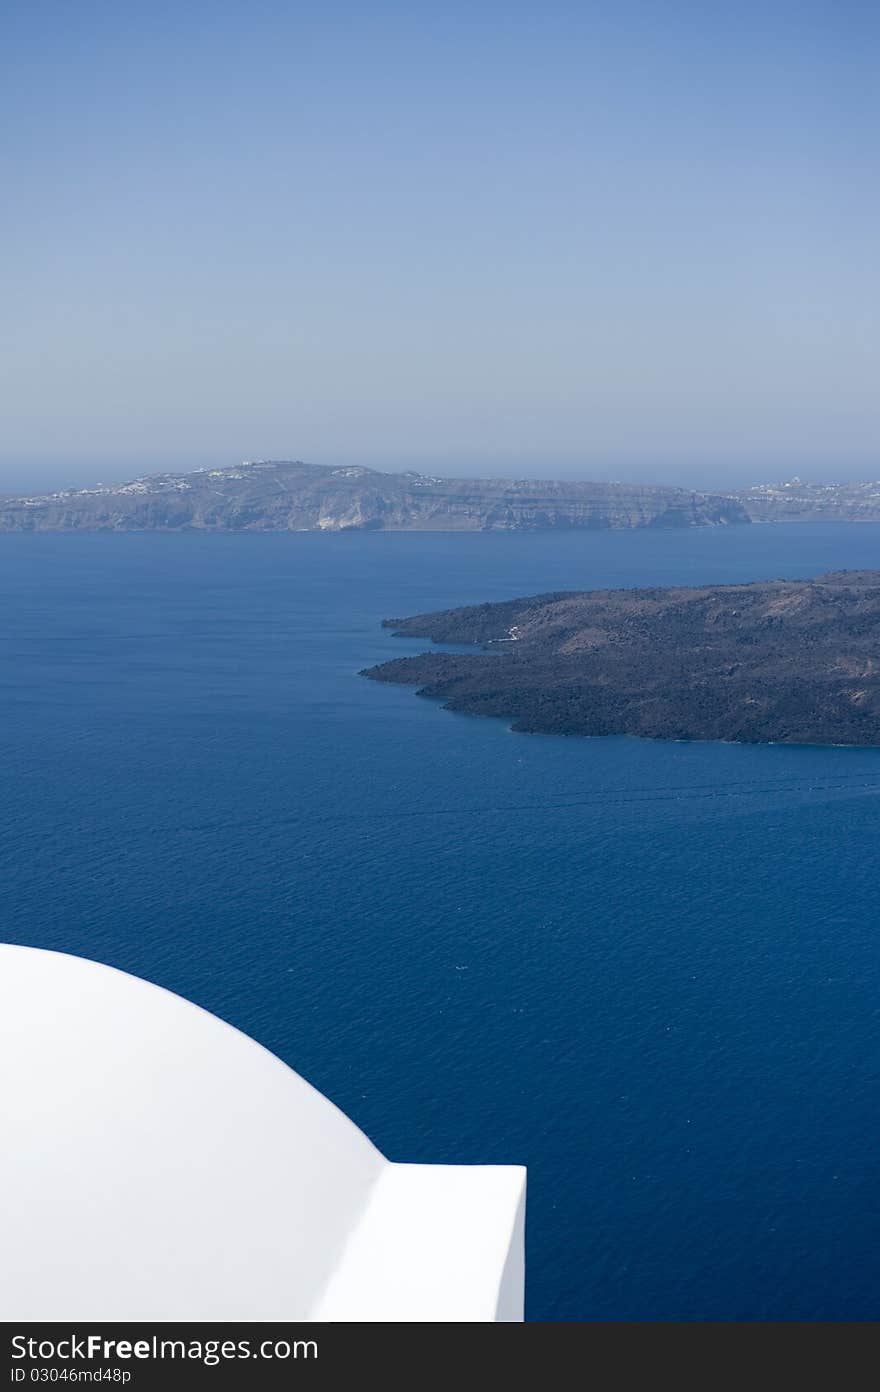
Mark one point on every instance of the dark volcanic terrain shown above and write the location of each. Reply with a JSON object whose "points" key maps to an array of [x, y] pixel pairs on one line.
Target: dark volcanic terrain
{"points": [[787, 661]]}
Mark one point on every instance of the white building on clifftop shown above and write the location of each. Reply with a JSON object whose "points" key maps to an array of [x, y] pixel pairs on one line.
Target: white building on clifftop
{"points": [[157, 1164]]}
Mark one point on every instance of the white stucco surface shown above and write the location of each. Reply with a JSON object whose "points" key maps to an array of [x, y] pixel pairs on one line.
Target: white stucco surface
{"points": [[156, 1163]]}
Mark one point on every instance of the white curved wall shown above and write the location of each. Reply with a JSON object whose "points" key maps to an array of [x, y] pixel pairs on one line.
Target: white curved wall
{"points": [[158, 1164]]}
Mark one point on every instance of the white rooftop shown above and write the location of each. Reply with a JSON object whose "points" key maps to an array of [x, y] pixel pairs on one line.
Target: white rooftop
{"points": [[157, 1164]]}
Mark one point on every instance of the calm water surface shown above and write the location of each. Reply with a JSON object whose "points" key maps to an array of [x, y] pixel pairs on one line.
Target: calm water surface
{"points": [[649, 971]]}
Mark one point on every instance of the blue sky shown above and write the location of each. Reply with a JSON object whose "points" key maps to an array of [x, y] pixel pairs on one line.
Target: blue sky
{"points": [[621, 240]]}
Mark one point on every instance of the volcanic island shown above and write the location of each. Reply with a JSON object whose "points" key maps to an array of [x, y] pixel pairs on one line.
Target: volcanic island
{"points": [[774, 661]]}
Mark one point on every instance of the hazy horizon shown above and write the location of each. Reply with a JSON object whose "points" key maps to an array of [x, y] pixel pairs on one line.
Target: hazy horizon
{"points": [[57, 478], [630, 242]]}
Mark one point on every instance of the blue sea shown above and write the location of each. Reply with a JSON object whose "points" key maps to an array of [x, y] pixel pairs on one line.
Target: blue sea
{"points": [[648, 971]]}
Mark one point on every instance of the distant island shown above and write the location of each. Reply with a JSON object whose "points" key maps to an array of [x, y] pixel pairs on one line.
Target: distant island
{"points": [[783, 661], [269, 495], [281, 495]]}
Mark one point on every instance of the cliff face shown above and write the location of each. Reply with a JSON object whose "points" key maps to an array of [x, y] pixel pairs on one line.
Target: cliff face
{"points": [[793, 662], [796, 501], [283, 496]]}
